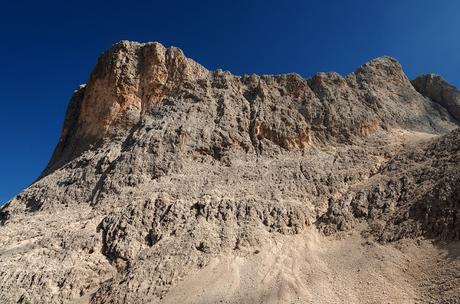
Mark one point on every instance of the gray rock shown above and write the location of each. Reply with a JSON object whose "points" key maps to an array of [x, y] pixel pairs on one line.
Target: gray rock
{"points": [[438, 90]]}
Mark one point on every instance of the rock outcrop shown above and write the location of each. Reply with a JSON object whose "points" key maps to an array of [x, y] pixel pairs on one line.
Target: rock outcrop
{"points": [[164, 170], [438, 90]]}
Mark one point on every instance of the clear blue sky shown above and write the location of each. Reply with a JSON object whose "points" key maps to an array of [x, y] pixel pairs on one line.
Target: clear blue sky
{"points": [[48, 48]]}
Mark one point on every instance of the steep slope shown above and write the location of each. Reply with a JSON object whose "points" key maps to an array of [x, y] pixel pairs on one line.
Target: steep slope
{"points": [[168, 176]]}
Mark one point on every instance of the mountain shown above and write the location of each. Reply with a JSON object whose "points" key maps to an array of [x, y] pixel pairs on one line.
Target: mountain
{"points": [[171, 183]]}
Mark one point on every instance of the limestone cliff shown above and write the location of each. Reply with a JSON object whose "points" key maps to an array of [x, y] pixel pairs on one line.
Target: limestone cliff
{"points": [[168, 176]]}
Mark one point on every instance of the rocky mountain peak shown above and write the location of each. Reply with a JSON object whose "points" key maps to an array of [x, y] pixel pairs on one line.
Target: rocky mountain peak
{"points": [[130, 79], [127, 80], [383, 70], [168, 177]]}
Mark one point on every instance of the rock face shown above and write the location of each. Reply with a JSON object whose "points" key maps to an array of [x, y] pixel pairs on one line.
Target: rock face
{"points": [[169, 178], [438, 90]]}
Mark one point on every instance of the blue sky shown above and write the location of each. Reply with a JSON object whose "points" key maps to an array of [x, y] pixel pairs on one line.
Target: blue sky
{"points": [[48, 48]]}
